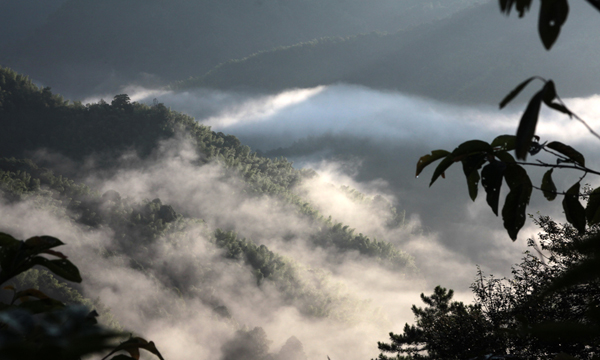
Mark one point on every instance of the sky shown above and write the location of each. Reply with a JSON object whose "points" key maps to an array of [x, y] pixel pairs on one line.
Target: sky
{"points": [[354, 136]]}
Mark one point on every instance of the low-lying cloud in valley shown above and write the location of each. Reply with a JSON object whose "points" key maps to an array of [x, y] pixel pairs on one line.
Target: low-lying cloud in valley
{"points": [[181, 293], [371, 140]]}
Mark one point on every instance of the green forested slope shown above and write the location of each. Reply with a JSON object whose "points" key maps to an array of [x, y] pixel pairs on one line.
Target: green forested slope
{"points": [[34, 118]]}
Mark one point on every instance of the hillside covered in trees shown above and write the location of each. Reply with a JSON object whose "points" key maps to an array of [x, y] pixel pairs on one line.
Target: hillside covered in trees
{"points": [[188, 232]]}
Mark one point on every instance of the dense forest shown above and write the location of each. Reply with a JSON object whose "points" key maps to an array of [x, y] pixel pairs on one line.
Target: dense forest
{"points": [[62, 137]]}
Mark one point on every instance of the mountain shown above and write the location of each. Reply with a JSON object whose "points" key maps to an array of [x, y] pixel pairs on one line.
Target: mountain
{"points": [[194, 219], [476, 55], [91, 46]]}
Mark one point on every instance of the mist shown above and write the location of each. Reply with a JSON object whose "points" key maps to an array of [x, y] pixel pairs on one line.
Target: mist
{"points": [[364, 145], [371, 140]]}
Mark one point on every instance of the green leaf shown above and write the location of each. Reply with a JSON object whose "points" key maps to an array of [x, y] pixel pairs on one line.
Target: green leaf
{"points": [[428, 159], [548, 187], [61, 267], [574, 211], [508, 98], [553, 14], [568, 151], [515, 205], [505, 142], [592, 210], [491, 179], [527, 126]]}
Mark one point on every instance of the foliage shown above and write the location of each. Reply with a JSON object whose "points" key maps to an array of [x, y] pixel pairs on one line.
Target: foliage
{"points": [[512, 316], [35, 118], [445, 329], [34, 325], [548, 310]]}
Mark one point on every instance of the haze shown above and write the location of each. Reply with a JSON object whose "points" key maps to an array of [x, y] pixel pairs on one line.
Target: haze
{"points": [[355, 90]]}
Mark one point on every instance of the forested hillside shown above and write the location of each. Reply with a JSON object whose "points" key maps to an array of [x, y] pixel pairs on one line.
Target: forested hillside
{"points": [[157, 233], [88, 46], [35, 119], [454, 59]]}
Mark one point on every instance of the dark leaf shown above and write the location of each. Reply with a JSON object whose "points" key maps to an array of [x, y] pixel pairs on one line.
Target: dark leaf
{"points": [[55, 253], [30, 292], [505, 157], [550, 95], [491, 179], [471, 147], [527, 126], [428, 159], [515, 205], [553, 14], [7, 240], [37, 244], [574, 211], [508, 98], [442, 167], [473, 183], [133, 345], [568, 151], [548, 187], [549, 92], [505, 142], [61, 267], [471, 166], [463, 151], [592, 210], [42, 306], [561, 108]]}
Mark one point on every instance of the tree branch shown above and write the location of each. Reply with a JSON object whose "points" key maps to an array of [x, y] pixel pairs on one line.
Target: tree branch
{"points": [[559, 166]]}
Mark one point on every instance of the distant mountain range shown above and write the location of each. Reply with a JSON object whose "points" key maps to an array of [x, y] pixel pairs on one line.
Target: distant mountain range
{"points": [[474, 56], [89, 46]]}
